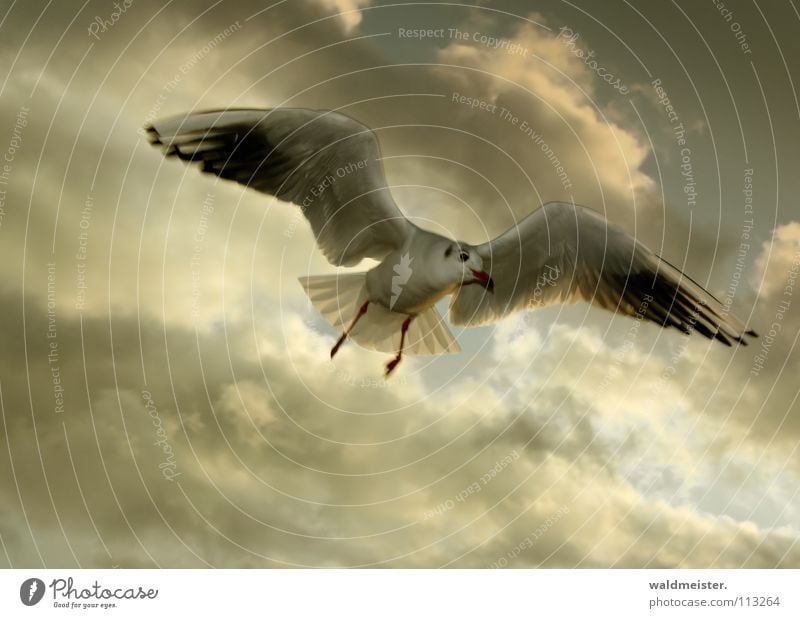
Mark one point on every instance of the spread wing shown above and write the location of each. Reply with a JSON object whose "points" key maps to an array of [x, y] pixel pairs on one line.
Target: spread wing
{"points": [[563, 253], [325, 162]]}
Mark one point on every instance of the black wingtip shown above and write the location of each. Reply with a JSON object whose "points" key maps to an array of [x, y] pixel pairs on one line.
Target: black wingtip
{"points": [[722, 338], [742, 341], [172, 151], [153, 136]]}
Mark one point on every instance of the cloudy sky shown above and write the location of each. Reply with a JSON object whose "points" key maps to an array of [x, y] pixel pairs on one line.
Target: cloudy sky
{"points": [[166, 392]]}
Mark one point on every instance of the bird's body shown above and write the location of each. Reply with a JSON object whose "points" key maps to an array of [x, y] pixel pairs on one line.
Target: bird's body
{"points": [[402, 283], [329, 165]]}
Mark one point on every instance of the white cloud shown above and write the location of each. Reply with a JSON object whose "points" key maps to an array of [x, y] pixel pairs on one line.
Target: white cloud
{"points": [[349, 10]]}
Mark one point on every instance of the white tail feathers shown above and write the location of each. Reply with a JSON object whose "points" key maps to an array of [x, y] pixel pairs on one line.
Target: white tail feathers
{"points": [[339, 297]]}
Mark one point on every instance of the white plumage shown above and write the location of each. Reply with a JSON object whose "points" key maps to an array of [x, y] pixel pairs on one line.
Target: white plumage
{"points": [[329, 165]]}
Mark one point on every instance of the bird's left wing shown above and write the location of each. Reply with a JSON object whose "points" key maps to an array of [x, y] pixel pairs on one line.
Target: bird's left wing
{"points": [[563, 253], [323, 161]]}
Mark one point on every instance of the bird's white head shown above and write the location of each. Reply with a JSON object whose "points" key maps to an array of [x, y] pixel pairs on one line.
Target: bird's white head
{"points": [[464, 266]]}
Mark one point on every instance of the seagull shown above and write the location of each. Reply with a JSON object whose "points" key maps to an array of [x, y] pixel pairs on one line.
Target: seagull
{"points": [[329, 165]]}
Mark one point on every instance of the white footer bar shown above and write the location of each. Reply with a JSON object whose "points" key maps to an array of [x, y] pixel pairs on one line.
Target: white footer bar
{"points": [[400, 593]]}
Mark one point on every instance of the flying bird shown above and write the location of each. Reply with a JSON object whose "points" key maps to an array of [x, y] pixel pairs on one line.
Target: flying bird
{"points": [[330, 166]]}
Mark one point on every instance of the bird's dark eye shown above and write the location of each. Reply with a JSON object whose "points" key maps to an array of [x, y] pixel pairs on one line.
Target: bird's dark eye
{"points": [[463, 256]]}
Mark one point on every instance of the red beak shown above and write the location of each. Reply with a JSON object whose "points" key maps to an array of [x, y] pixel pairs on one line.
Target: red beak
{"points": [[484, 279]]}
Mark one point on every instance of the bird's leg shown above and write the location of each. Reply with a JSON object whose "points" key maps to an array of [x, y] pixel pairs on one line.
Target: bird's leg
{"points": [[396, 360], [339, 343]]}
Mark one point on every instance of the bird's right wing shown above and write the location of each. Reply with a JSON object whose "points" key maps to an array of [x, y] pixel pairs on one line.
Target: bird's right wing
{"points": [[563, 253], [325, 162]]}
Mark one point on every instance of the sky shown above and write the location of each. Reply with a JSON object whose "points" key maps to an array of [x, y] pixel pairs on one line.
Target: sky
{"points": [[166, 391]]}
